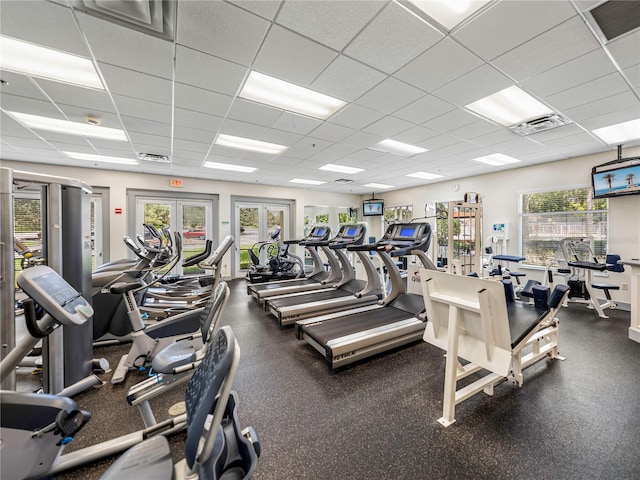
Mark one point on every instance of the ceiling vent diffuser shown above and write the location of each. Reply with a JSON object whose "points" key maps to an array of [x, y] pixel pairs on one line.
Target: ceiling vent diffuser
{"points": [[153, 157], [343, 181], [153, 17], [615, 18], [541, 124]]}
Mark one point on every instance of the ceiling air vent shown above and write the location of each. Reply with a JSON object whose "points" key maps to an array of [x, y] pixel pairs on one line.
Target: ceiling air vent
{"points": [[615, 17], [541, 124], [153, 17], [153, 157], [343, 181]]}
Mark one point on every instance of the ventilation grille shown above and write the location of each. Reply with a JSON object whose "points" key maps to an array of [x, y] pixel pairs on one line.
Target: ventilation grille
{"points": [[615, 17], [153, 157], [540, 124], [343, 181], [153, 17]]}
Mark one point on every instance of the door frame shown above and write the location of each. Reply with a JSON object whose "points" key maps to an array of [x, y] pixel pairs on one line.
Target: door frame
{"points": [[235, 227]]}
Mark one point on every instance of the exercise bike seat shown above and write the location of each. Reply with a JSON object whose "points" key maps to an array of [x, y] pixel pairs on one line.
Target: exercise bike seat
{"points": [[148, 460], [175, 355]]}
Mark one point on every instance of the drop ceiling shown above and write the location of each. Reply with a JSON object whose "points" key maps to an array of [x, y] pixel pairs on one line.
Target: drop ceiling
{"points": [[403, 78]]}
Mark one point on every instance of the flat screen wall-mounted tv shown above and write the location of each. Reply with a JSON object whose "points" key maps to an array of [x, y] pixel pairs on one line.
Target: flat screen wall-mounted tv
{"points": [[372, 208], [616, 179]]}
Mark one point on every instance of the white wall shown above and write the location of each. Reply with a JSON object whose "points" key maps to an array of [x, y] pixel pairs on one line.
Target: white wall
{"points": [[500, 195], [119, 182]]}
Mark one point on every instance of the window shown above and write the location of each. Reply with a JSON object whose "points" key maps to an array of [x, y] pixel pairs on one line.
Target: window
{"points": [[548, 217], [402, 213]]}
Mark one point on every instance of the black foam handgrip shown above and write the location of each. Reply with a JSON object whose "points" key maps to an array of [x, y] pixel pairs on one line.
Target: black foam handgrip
{"points": [[31, 319]]}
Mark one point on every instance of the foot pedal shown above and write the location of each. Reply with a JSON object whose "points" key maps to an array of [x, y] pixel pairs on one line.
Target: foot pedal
{"points": [[120, 372]]}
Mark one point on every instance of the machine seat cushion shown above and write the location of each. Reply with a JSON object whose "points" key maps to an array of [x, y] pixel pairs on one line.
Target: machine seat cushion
{"points": [[523, 319], [509, 258], [527, 290], [517, 274], [149, 459], [589, 265], [175, 355], [605, 286], [612, 263], [564, 270]]}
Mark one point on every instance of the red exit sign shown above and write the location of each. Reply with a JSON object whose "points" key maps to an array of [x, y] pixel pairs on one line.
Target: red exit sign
{"points": [[175, 182]]}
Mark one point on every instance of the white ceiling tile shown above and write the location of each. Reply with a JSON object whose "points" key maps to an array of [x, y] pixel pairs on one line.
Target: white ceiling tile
{"points": [[332, 132], [477, 84], [140, 125], [288, 56], [390, 96], [134, 107], [355, 116], [388, 126], [292, 122], [362, 139], [111, 43], [241, 129], [14, 103], [63, 138], [32, 21], [621, 101], [451, 120], [582, 69], [506, 25], [62, 93], [201, 121], [604, 119], [441, 141], [365, 154], [563, 43], [194, 134], [415, 135], [503, 138], [332, 23], [279, 137], [392, 39], [588, 92], [626, 49], [135, 84], [155, 149], [474, 130], [204, 101], [110, 147], [347, 79], [264, 8], [187, 156], [31, 141], [20, 85], [190, 146], [139, 139], [632, 74], [424, 109], [251, 112], [208, 72], [79, 114], [220, 29], [218, 150]]}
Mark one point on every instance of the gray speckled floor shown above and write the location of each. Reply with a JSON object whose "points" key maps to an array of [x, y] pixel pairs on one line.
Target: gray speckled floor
{"points": [[376, 419]]}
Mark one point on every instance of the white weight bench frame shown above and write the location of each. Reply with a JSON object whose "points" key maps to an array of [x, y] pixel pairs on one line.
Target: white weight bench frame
{"points": [[468, 318]]}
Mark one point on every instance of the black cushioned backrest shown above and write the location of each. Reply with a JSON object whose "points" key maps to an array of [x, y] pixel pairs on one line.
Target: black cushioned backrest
{"points": [[203, 388], [612, 263], [556, 296], [509, 294], [540, 297]]}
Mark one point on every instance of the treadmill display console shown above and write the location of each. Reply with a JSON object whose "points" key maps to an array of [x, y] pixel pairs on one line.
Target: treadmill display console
{"points": [[351, 232], [319, 232], [407, 232]]}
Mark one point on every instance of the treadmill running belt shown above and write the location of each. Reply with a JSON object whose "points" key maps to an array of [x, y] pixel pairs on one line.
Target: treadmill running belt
{"points": [[269, 286], [347, 325], [309, 297]]}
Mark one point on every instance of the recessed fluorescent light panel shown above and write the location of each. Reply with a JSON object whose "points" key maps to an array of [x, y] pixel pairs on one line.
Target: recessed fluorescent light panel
{"points": [[398, 148], [340, 168], [101, 158], [496, 159], [509, 107], [228, 166], [248, 144], [619, 133], [425, 175], [29, 59], [449, 13], [377, 185], [306, 182], [70, 128], [278, 93]]}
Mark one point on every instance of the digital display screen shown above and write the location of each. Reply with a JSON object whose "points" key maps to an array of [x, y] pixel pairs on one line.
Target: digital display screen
{"points": [[407, 232], [618, 181], [319, 232], [58, 289], [351, 231], [372, 208]]}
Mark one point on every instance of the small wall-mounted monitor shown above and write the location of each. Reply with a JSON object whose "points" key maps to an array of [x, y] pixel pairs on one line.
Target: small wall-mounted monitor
{"points": [[617, 180], [372, 208]]}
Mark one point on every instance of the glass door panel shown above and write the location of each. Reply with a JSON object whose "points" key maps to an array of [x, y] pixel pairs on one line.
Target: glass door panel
{"points": [[194, 231]]}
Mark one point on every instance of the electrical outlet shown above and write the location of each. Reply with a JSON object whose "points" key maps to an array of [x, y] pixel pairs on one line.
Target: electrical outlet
{"points": [[624, 286]]}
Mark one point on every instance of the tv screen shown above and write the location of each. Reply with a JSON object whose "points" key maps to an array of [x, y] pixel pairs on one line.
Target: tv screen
{"points": [[618, 180], [372, 208]]}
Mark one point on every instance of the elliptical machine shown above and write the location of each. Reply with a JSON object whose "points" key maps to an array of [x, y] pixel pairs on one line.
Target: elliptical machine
{"points": [[281, 264]]}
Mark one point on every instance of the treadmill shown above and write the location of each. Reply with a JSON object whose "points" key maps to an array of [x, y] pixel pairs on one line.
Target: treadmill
{"points": [[348, 293], [397, 320], [317, 233], [327, 283]]}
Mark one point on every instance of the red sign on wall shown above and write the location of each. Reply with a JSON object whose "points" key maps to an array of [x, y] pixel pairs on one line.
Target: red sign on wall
{"points": [[117, 211]]}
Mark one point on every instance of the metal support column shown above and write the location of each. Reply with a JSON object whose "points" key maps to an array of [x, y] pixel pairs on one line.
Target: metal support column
{"points": [[7, 272]]}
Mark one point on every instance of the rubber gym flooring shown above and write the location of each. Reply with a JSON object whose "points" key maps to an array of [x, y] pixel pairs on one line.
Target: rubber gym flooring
{"points": [[376, 419]]}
